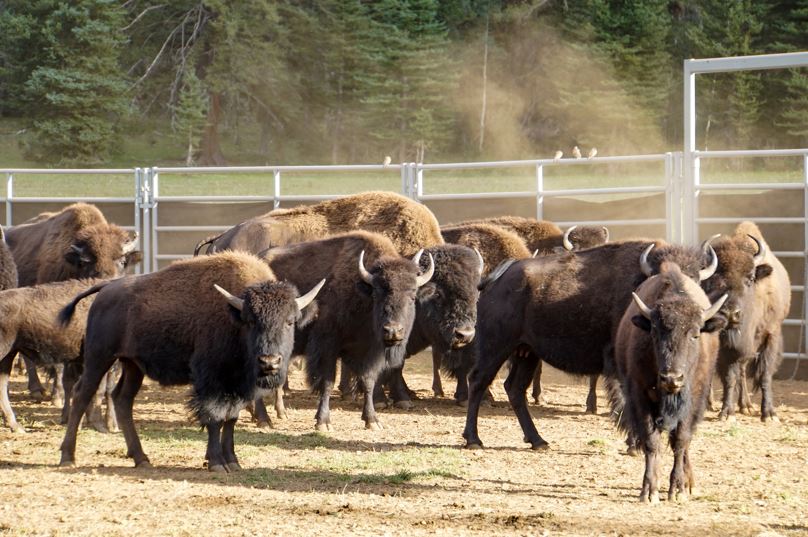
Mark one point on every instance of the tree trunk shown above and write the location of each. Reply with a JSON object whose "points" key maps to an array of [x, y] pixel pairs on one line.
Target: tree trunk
{"points": [[210, 152], [485, 84]]}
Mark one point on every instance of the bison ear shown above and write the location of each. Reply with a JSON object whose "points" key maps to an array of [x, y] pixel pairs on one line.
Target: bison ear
{"points": [[762, 271], [308, 315], [77, 255], [364, 288], [715, 323], [641, 322], [133, 258], [426, 291]]}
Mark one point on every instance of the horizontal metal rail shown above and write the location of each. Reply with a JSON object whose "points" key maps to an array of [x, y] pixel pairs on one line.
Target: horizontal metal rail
{"points": [[750, 186], [757, 219], [192, 228], [624, 222], [544, 162], [751, 153], [70, 199], [68, 171], [271, 169]]}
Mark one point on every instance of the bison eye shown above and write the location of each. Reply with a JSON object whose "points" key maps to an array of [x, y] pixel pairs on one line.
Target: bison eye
{"points": [[695, 336]]}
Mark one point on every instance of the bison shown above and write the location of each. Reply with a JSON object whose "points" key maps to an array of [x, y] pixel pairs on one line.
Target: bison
{"points": [[759, 300], [544, 237], [28, 326], [221, 323], [565, 310], [408, 224], [664, 356], [365, 315], [8, 269]]}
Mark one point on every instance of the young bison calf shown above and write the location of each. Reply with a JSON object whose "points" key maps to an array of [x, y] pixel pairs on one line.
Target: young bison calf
{"points": [[665, 353], [182, 325]]}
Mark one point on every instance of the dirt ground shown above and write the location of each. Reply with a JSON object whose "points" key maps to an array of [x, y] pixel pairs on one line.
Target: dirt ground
{"points": [[410, 479]]}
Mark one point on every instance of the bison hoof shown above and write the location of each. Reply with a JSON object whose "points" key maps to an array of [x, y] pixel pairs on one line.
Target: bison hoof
{"points": [[282, 415], [233, 467], [218, 468], [438, 393], [632, 451], [464, 403], [541, 445], [650, 498], [143, 464], [323, 427], [678, 496], [18, 429], [374, 426], [770, 419], [473, 445], [100, 427], [264, 424], [37, 395], [67, 463], [746, 411], [404, 405]]}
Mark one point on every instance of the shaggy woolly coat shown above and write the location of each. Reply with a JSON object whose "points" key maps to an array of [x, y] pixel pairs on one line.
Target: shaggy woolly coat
{"points": [[408, 224], [496, 244], [8, 268], [545, 236], [40, 246]]}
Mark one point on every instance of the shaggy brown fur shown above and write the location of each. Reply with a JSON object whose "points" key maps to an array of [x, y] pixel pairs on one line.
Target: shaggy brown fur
{"points": [[563, 309], [8, 269], [664, 365], [759, 301], [43, 249], [407, 223], [173, 326], [495, 243], [545, 236], [352, 313], [28, 325]]}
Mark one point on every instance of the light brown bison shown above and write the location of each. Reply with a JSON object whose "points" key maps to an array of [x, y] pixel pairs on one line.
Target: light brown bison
{"points": [[664, 357], [759, 300], [410, 225], [221, 323], [8, 268], [545, 237], [28, 326], [564, 309]]}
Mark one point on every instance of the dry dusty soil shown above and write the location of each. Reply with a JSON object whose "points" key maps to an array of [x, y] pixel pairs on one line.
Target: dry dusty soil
{"points": [[410, 478]]}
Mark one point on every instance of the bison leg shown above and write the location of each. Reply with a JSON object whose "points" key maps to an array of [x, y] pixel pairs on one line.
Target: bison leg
{"points": [[744, 400], [729, 380], [768, 361], [480, 378], [110, 381], [259, 413], [58, 391], [516, 384], [710, 396], [398, 389], [5, 404], [537, 384], [214, 453], [437, 385], [592, 398], [650, 480], [35, 387], [369, 410], [123, 397], [228, 445], [72, 371], [679, 484], [347, 384], [83, 392], [280, 408]]}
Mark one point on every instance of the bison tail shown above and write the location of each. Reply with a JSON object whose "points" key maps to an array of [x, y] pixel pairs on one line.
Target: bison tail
{"points": [[203, 242], [66, 315]]}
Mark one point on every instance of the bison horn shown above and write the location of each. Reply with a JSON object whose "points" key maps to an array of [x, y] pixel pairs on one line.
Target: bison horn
{"points": [[707, 242], [535, 253], [566, 241], [606, 231], [2, 234], [426, 276], [366, 276], [306, 299], [645, 310], [710, 270], [761, 253], [480, 259], [130, 246], [712, 310], [644, 265], [234, 301]]}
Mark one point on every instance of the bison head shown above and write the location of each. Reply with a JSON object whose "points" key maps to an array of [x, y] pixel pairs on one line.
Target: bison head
{"points": [[102, 251], [678, 314], [578, 238], [393, 284], [741, 266], [267, 314], [446, 307]]}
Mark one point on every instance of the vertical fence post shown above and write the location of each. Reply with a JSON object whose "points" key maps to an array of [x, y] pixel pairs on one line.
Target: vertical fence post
{"points": [[154, 190], [276, 195], [138, 207], [405, 187], [802, 346], [670, 197], [690, 162], [9, 196], [539, 191], [678, 198], [419, 180]]}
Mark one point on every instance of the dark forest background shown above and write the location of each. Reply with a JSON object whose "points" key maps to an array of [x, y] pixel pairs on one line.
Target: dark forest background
{"points": [[347, 81]]}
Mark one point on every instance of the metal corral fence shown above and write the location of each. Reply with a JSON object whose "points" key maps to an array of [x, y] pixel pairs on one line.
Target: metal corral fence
{"points": [[658, 203]]}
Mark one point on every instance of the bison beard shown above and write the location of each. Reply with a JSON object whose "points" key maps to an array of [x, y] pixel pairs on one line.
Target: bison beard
{"points": [[673, 408]]}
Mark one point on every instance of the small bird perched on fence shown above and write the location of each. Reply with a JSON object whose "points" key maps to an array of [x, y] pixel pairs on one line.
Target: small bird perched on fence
{"points": [[576, 152], [387, 161], [558, 155], [592, 152]]}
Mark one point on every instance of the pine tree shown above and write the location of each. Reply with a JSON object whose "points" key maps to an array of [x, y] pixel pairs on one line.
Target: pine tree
{"points": [[190, 114]]}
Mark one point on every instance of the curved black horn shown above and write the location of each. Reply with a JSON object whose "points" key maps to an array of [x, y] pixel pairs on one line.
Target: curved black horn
{"points": [[566, 240], [366, 276], [761, 253], [644, 265], [710, 270]]}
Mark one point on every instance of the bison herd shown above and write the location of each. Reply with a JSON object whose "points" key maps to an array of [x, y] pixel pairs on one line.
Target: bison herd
{"points": [[371, 279]]}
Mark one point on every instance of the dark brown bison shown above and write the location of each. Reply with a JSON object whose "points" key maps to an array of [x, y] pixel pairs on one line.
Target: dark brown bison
{"points": [[8, 269], [365, 314], [759, 300], [28, 326], [76, 242], [544, 237], [221, 323], [665, 353], [565, 310], [408, 224]]}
